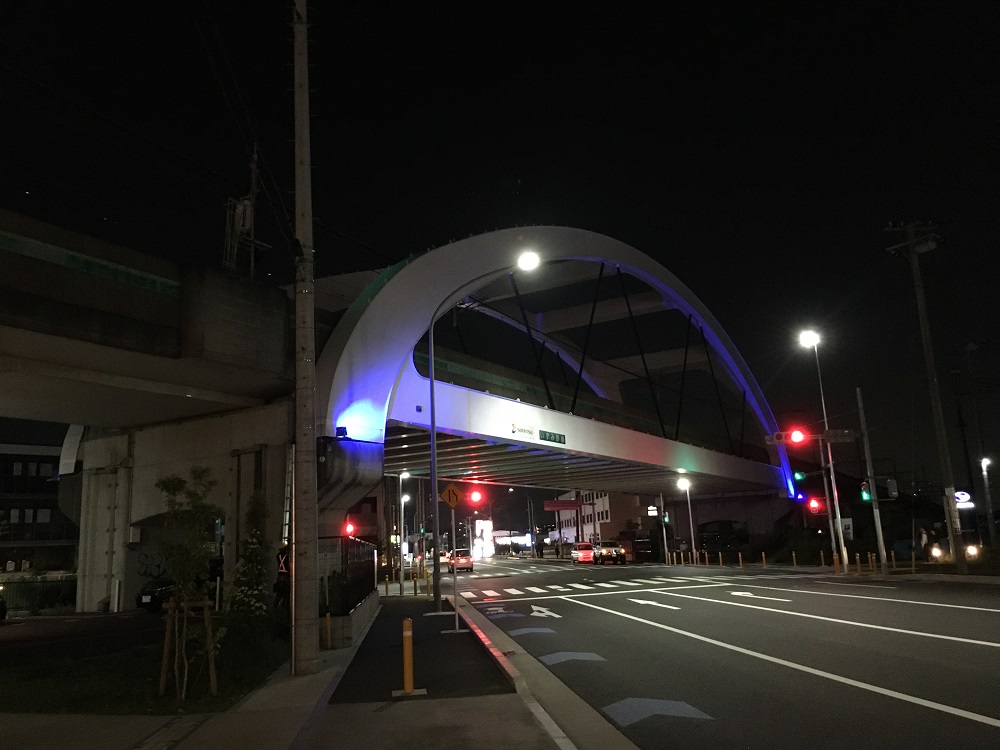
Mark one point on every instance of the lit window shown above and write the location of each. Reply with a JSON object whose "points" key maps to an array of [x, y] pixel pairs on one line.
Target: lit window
{"points": [[18, 468], [15, 515], [44, 515]]}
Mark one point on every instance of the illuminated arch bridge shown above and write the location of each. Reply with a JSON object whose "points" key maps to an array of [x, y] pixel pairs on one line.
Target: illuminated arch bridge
{"points": [[598, 370]]}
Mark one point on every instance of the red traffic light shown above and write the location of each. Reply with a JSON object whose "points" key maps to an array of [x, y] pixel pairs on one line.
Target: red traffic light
{"points": [[795, 436], [815, 505], [476, 496], [349, 528]]}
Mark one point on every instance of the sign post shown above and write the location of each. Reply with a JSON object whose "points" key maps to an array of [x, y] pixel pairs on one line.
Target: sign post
{"points": [[452, 495]]}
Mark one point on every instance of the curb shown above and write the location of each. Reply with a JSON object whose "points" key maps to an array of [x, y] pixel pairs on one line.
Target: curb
{"points": [[589, 727]]}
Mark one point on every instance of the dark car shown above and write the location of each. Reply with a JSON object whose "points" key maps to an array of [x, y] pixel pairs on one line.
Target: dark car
{"points": [[3, 605], [154, 594]]}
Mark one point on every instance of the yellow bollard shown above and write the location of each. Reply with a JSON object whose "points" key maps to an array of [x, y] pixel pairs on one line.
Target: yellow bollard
{"points": [[871, 562], [387, 583], [763, 559], [822, 559], [408, 656], [720, 559], [741, 559], [857, 561], [836, 563], [893, 555], [794, 561]]}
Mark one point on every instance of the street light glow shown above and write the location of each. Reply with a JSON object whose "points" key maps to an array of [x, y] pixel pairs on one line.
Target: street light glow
{"points": [[405, 474], [809, 339], [405, 498], [528, 260], [683, 483], [984, 463]]}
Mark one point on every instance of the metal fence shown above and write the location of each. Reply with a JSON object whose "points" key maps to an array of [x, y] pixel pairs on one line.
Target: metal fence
{"points": [[347, 573], [34, 595]]}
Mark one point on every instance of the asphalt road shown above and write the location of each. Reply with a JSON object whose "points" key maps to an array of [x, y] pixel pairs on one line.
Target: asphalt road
{"points": [[77, 635], [762, 658]]}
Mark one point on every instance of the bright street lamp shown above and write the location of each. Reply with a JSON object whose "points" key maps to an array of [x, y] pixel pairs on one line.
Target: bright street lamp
{"points": [[991, 524], [810, 340], [526, 261], [402, 499], [685, 484]]}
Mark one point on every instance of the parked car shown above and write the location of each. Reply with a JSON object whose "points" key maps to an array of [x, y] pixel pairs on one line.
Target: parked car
{"points": [[460, 559], [3, 605], [611, 551], [583, 552], [154, 594]]}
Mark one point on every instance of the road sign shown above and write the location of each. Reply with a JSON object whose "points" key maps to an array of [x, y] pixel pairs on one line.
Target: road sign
{"points": [[452, 495]]}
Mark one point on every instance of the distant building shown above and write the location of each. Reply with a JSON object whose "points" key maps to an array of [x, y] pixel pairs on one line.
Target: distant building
{"points": [[35, 534]]}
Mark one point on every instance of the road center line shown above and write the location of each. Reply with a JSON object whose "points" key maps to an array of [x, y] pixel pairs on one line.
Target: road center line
{"points": [[953, 710], [971, 641]]}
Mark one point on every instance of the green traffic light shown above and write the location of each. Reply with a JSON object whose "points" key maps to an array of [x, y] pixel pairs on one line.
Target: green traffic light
{"points": [[799, 476]]}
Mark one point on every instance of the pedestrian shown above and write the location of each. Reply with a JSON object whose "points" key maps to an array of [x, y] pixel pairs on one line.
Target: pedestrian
{"points": [[922, 537]]}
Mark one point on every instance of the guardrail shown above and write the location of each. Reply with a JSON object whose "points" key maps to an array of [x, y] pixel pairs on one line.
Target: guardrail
{"points": [[35, 594], [347, 573]]}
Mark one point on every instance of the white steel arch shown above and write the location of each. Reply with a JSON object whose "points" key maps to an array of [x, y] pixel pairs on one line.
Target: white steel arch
{"points": [[371, 348]]}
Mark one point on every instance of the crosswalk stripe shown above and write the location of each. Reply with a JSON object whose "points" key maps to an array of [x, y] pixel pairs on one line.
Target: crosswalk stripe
{"points": [[468, 594], [645, 581], [628, 583], [535, 589], [581, 586], [605, 585], [490, 592], [513, 591], [556, 587]]}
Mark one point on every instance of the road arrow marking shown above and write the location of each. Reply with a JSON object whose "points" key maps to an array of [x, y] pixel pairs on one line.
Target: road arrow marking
{"points": [[754, 596], [537, 611], [631, 710], [655, 604], [525, 631], [561, 656]]}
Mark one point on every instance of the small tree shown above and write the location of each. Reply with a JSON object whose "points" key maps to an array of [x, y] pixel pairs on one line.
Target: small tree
{"points": [[249, 596], [187, 550]]}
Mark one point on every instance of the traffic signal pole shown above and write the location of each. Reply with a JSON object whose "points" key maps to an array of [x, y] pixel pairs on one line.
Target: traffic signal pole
{"points": [[871, 483]]}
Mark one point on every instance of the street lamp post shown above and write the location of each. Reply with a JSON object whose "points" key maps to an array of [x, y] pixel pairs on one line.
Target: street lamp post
{"points": [[685, 484], [810, 340], [990, 521], [526, 261], [402, 499], [912, 249]]}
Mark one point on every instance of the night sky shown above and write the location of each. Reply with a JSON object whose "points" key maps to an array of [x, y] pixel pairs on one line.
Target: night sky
{"points": [[757, 150]]}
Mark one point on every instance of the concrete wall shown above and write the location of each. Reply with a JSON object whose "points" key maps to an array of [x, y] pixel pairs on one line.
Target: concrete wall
{"points": [[121, 507]]}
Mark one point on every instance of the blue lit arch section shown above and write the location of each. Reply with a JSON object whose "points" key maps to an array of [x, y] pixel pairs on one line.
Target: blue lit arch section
{"points": [[363, 360]]}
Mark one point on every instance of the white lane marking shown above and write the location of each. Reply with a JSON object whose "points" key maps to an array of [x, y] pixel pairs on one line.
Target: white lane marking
{"points": [[581, 586], [516, 592], [645, 581], [468, 594], [874, 598], [556, 587], [953, 710], [605, 585], [858, 585], [535, 589], [491, 592], [971, 641], [755, 596], [655, 604], [628, 583], [537, 611]]}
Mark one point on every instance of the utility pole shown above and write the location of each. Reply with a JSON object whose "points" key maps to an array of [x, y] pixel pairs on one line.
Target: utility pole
{"points": [[872, 488], [305, 596], [915, 245]]}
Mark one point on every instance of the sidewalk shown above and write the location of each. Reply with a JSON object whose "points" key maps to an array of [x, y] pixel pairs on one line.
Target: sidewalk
{"points": [[480, 692]]}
